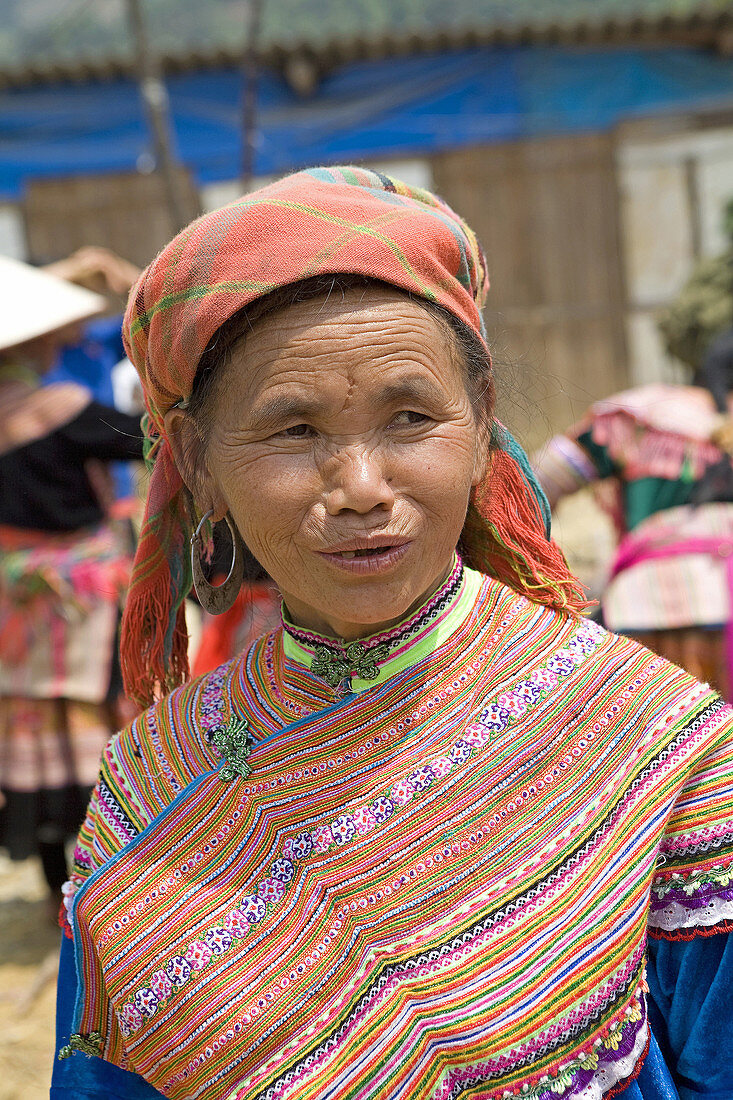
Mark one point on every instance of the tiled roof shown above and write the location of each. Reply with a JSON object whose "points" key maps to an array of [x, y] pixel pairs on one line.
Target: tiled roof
{"points": [[542, 22]]}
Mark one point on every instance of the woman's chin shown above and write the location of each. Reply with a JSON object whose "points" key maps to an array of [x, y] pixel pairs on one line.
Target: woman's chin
{"points": [[363, 603]]}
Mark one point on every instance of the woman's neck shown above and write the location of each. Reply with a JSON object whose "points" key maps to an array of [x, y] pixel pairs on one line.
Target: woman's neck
{"points": [[330, 629]]}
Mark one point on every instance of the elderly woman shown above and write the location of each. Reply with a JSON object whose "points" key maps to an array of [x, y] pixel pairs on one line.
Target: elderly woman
{"points": [[420, 840]]}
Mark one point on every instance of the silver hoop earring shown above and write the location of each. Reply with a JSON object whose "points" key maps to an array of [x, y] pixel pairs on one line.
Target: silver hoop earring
{"points": [[216, 599]]}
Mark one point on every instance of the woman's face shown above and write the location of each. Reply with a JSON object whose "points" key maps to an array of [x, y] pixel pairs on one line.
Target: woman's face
{"points": [[344, 445]]}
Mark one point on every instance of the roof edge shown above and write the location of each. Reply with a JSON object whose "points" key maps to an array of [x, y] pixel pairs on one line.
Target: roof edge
{"points": [[303, 63]]}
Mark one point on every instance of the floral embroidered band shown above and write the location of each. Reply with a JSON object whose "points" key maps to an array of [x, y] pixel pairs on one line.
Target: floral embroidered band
{"points": [[699, 899]]}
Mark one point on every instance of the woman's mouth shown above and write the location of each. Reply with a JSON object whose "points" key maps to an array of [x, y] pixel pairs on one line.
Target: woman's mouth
{"points": [[367, 559], [347, 555]]}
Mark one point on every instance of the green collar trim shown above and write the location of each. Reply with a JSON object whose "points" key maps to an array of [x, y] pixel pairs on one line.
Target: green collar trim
{"points": [[356, 666]]}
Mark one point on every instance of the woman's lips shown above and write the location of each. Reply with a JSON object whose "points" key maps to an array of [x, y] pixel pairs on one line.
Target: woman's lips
{"points": [[367, 559]]}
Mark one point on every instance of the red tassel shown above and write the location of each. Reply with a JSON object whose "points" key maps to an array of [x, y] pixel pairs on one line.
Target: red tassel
{"points": [[145, 672], [149, 665], [504, 536]]}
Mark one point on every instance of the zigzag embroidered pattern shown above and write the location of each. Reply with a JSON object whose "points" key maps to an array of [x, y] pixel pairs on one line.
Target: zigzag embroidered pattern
{"points": [[438, 888]]}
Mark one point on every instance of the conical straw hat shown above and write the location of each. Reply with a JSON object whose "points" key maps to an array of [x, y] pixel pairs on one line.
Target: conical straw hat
{"points": [[33, 303]]}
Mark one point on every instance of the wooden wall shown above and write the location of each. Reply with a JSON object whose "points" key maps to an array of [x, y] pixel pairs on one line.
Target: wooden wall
{"points": [[126, 212], [546, 213]]}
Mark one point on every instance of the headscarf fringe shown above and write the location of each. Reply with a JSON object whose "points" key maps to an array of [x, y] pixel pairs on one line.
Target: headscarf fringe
{"points": [[153, 635], [146, 670], [503, 536]]}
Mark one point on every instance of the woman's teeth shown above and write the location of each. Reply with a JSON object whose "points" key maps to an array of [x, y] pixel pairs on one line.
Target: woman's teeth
{"points": [[349, 554]]}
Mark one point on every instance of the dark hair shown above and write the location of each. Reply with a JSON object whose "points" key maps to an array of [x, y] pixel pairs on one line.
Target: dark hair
{"points": [[474, 357]]}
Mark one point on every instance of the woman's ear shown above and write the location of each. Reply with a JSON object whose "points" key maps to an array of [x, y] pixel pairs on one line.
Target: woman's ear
{"points": [[189, 455]]}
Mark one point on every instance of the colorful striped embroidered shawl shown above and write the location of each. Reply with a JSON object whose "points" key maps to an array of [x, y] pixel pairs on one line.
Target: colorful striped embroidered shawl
{"points": [[440, 887]]}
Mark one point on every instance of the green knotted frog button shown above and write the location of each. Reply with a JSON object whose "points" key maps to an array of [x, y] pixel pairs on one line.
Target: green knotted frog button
{"points": [[83, 1044], [232, 743], [355, 660]]}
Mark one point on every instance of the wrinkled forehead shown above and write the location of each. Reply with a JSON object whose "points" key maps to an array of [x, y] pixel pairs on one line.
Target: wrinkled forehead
{"points": [[366, 339], [347, 309]]}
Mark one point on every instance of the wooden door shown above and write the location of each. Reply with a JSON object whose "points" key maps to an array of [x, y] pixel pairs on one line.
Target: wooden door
{"points": [[124, 211], [546, 213]]}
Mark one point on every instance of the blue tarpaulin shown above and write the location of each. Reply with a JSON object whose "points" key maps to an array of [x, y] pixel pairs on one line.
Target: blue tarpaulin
{"points": [[364, 110]]}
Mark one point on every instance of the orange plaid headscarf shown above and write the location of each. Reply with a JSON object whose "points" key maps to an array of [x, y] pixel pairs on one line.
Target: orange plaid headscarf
{"points": [[320, 221]]}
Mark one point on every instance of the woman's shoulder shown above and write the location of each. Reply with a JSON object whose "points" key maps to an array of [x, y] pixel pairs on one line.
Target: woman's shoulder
{"points": [[148, 765], [584, 656], [687, 411]]}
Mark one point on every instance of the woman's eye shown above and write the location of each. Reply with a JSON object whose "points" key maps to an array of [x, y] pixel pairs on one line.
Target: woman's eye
{"points": [[409, 416], [296, 431]]}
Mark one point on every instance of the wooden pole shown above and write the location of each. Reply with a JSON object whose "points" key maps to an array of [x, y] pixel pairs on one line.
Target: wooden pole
{"points": [[250, 75], [155, 99]]}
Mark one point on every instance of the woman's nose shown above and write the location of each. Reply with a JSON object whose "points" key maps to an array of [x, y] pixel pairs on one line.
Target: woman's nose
{"points": [[356, 482]]}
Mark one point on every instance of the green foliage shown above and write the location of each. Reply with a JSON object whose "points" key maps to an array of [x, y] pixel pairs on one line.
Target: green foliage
{"points": [[704, 308]]}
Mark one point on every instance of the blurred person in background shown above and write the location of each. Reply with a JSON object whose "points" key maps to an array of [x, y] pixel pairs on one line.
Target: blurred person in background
{"points": [[93, 354], [64, 568], [664, 455]]}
